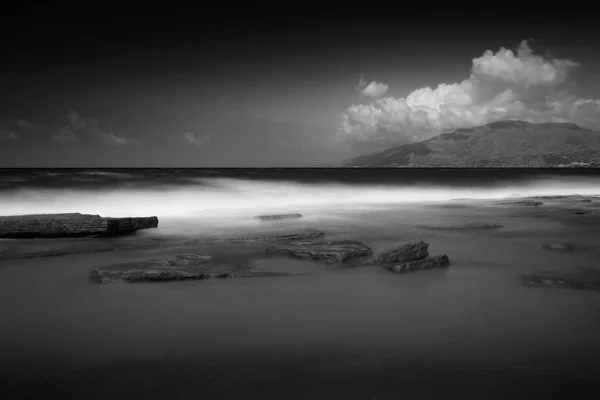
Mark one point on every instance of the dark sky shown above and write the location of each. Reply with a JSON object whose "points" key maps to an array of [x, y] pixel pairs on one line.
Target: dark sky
{"points": [[123, 86]]}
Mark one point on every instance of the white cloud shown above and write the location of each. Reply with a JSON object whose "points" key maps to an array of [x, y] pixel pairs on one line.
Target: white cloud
{"points": [[505, 85], [373, 90], [191, 138], [65, 135], [8, 135], [78, 125], [102, 136]]}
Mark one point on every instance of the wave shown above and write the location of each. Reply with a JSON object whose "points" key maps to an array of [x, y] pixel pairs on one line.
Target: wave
{"points": [[218, 197]]}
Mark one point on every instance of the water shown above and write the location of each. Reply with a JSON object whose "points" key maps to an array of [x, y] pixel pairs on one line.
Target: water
{"points": [[353, 333]]}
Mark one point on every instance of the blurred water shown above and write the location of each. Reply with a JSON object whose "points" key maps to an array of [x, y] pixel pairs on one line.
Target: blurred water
{"points": [[360, 324]]}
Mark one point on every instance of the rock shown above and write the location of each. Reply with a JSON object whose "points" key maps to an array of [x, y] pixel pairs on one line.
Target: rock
{"points": [[183, 267], [584, 279], [330, 251], [571, 198], [558, 246], [473, 226], [70, 225], [280, 237], [525, 203], [582, 212], [410, 251], [280, 216], [425, 263]]}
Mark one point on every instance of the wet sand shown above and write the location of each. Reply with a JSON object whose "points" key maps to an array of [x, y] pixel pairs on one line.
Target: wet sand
{"points": [[472, 330]]}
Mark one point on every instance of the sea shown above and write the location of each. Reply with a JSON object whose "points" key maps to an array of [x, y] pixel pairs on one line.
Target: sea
{"points": [[471, 330]]}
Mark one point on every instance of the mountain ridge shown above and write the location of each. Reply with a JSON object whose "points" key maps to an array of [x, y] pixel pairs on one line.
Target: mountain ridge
{"points": [[514, 144]]}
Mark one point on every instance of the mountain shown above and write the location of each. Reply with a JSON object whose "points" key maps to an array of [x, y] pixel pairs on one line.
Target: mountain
{"points": [[499, 144]]}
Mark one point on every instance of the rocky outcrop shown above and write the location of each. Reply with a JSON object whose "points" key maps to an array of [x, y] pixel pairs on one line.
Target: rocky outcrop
{"points": [[70, 225], [280, 216], [410, 251], [425, 263], [183, 267], [340, 251]]}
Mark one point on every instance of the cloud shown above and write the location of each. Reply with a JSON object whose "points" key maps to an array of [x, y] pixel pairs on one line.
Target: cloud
{"points": [[78, 126], [190, 138], [506, 85], [110, 138], [373, 90], [65, 135], [76, 121], [8, 135], [26, 125]]}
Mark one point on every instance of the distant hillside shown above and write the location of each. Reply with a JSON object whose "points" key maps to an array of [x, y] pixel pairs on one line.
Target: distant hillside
{"points": [[499, 144]]}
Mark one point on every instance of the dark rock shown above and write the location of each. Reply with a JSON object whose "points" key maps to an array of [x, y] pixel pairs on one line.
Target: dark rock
{"points": [[559, 246], [277, 237], [473, 226], [280, 216], [330, 251], [585, 279], [183, 267], [425, 263], [410, 251], [582, 212], [526, 203], [70, 225]]}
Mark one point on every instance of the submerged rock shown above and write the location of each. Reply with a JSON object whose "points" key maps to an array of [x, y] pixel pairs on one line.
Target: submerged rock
{"points": [[70, 225], [559, 246], [275, 237], [280, 216], [585, 279], [425, 263], [410, 251], [525, 203], [182, 267], [330, 251], [473, 226]]}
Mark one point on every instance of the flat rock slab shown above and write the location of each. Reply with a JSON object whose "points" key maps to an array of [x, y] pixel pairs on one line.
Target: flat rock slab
{"points": [[339, 251], [405, 252], [440, 261], [530, 203], [473, 226], [279, 216], [182, 267], [584, 279], [70, 225]]}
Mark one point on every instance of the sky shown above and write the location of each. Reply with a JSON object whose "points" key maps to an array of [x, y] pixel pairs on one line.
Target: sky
{"points": [[133, 86]]}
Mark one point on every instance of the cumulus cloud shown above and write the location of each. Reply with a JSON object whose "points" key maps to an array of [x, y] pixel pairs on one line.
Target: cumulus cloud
{"points": [[373, 90], [78, 125], [5, 134], [505, 85], [191, 138]]}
